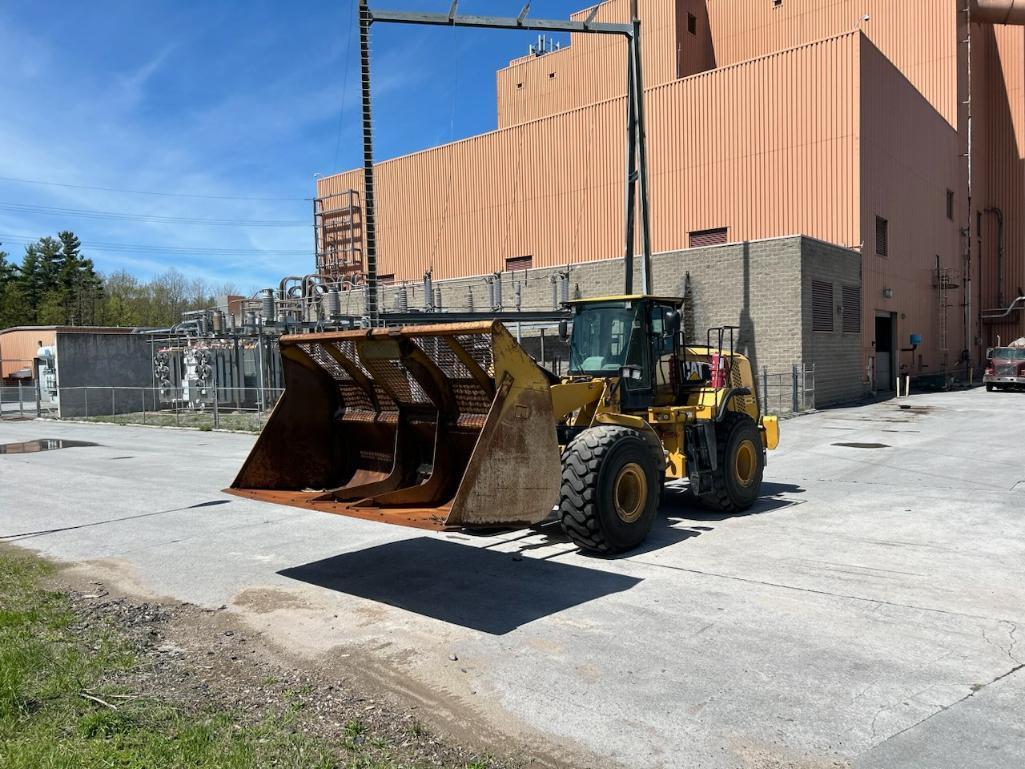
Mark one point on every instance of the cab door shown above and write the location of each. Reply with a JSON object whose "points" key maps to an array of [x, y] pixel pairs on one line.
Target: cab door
{"points": [[665, 355]]}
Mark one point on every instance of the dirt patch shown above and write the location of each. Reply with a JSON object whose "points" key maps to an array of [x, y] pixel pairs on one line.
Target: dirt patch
{"points": [[774, 757], [196, 658], [266, 600]]}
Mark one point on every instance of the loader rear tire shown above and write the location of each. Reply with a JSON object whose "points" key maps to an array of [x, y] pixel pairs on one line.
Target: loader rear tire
{"points": [[611, 487], [737, 481]]}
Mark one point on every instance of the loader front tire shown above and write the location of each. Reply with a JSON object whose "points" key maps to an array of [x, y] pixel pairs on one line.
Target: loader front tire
{"points": [[611, 484], [737, 481]]}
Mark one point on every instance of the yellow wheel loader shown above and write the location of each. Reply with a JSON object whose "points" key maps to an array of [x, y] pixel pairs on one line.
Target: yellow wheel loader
{"points": [[454, 425]]}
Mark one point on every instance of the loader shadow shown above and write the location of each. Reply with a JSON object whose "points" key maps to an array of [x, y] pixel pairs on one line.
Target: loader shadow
{"points": [[678, 503], [476, 588], [551, 535]]}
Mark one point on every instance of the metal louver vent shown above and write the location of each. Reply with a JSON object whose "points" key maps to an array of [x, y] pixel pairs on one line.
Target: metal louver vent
{"points": [[709, 237], [882, 236], [821, 306], [851, 309]]}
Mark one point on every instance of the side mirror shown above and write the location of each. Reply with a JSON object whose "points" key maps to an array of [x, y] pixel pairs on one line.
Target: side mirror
{"points": [[672, 322], [563, 330], [631, 372]]}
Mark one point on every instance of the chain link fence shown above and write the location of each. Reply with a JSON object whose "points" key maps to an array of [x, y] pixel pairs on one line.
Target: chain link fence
{"points": [[208, 408], [247, 408], [787, 392]]}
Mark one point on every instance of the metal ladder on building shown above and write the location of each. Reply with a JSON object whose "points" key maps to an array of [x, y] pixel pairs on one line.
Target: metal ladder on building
{"points": [[943, 282], [338, 236]]}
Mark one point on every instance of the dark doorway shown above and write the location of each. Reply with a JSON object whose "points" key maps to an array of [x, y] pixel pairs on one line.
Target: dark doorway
{"points": [[885, 336]]}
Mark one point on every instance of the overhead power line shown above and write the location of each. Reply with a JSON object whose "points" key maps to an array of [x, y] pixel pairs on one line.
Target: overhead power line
{"points": [[142, 248], [150, 192], [149, 218]]}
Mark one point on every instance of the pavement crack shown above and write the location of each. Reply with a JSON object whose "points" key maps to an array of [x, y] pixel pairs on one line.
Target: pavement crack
{"points": [[1014, 641], [813, 591], [975, 689], [876, 718], [46, 532]]}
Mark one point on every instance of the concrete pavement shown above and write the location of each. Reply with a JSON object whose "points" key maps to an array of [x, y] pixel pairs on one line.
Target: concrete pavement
{"points": [[868, 612]]}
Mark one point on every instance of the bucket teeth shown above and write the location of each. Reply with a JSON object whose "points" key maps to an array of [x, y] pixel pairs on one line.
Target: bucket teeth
{"points": [[439, 425]]}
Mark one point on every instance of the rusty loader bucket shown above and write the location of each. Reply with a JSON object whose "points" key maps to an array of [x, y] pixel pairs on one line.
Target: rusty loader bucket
{"points": [[427, 426]]}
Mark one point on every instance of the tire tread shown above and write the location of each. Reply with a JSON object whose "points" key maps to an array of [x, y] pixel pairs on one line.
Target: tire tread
{"points": [[581, 466]]}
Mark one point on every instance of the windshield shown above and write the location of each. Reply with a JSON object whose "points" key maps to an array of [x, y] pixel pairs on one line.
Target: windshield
{"points": [[605, 338], [1008, 353]]}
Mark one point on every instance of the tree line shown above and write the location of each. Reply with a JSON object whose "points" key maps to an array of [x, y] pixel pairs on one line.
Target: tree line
{"points": [[56, 285]]}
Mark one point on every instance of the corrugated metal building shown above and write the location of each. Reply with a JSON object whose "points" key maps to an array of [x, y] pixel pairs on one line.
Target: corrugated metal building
{"points": [[843, 120]]}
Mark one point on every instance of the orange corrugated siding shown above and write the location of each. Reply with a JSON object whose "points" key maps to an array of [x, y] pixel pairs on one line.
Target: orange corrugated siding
{"points": [[1001, 143], [909, 159], [919, 36], [540, 189], [593, 67], [765, 148], [18, 348]]}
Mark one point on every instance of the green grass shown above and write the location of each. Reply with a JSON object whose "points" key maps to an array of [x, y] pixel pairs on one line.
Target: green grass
{"points": [[47, 665], [201, 420]]}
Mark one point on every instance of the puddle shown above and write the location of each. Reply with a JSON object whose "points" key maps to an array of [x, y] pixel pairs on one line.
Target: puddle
{"points": [[43, 444], [863, 445]]}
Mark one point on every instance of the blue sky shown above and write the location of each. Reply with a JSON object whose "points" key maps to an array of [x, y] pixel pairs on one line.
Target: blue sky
{"points": [[219, 100]]}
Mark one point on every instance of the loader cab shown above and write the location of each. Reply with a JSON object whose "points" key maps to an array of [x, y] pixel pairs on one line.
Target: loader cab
{"points": [[635, 338]]}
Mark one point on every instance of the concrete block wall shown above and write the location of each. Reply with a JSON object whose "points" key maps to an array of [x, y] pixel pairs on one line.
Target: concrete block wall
{"points": [[836, 354], [755, 286], [89, 364], [763, 287]]}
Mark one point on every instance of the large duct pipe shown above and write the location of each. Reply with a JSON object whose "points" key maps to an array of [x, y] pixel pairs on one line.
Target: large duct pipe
{"points": [[282, 291], [999, 11]]}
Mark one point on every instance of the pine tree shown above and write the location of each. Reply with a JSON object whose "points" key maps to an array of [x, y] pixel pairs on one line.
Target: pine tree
{"points": [[32, 282], [51, 260], [50, 311], [14, 308], [70, 283], [88, 292], [8, 271], [71, 246]]}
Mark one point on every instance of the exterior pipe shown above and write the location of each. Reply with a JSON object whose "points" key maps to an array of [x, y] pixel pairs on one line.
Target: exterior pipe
{"points": [[282, 293], [999, 11], [967, 353], [309, 284], [1003, 312]]}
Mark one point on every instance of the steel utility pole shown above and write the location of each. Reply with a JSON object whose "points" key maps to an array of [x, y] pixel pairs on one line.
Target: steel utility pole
{"points": [[641, 144], [369, 220], [637, 163]]}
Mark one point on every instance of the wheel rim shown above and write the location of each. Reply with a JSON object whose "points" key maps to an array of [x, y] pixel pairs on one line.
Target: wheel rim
{"points": [[745, 463], [630, 493]]}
